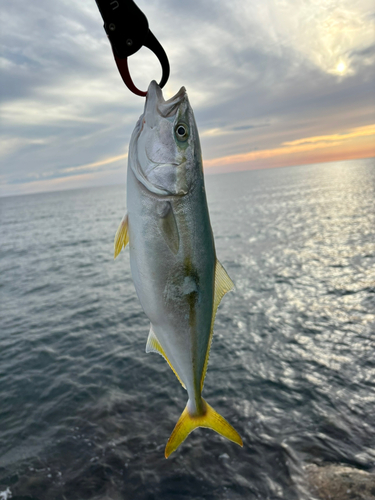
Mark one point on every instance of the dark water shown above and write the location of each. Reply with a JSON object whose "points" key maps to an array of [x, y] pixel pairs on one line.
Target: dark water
{"points": [[85, 413]]}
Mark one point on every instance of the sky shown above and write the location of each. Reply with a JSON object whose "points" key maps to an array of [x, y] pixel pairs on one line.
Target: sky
{"points": [[272, 83]]}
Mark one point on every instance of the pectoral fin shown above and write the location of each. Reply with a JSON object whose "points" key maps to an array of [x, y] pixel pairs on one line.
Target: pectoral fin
{"points": [[153, 345], [168, 227], [122, 236], [223, 284]]}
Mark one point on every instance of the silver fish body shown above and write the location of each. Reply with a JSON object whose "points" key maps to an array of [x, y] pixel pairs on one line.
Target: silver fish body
{"points": [[177, 277]]}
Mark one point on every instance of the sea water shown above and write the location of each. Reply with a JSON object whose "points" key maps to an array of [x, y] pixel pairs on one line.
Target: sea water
{"points": [[85, 413]]}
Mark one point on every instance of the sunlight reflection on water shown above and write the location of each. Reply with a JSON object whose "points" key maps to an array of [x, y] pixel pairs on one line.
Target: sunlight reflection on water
{"points": [[85, 413]]}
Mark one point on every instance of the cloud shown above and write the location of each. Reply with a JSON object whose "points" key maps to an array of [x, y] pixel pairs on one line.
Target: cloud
{"points": [[259, 75], [97, 164], [60, 183], [304, 145], [368, 130]]}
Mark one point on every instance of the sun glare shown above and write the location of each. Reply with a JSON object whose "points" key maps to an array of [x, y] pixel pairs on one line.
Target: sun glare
{"points": [[341, 68]]}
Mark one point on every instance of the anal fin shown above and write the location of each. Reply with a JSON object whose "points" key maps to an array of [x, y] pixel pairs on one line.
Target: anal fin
{"points": [[153, 345], [223, 284], [122, 236]]}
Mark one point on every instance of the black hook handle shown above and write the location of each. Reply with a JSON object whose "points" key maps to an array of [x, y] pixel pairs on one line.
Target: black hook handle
{"points": [[127, 29]]}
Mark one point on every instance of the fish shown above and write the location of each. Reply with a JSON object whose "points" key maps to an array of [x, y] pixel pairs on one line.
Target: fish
{"points": [[177, 276]]}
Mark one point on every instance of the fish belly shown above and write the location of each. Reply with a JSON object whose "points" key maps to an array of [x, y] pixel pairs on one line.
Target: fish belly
{"points": [[172, 260]]}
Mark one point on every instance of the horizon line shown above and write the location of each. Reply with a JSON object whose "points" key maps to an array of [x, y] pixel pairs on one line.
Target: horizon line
{"points": [[208, 171]]}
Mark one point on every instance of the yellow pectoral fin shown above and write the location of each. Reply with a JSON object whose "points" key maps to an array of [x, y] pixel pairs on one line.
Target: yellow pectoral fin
{"points": [[153, 345], [211, 419], [223, 284], [122, 236]]}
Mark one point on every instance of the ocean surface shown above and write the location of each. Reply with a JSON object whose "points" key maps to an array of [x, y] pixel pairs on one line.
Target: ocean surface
{"points": [[85, 413]]}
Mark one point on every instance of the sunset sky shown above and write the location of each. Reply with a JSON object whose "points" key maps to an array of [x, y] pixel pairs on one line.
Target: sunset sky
{"points": [[272, 83]]}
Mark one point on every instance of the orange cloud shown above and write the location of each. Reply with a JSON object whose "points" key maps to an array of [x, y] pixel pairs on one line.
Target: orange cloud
{"points": [[96, 164], [355, 143], [368, 130]]}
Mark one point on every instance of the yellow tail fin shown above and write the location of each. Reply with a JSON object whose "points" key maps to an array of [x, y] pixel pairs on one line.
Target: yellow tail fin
{"points": [[211, 419]]}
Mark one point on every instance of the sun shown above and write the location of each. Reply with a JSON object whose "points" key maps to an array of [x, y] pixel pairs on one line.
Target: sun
{"points": [[341, 68]]}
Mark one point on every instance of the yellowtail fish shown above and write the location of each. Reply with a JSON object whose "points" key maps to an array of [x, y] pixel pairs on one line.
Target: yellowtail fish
{"points": [[176, 274]]}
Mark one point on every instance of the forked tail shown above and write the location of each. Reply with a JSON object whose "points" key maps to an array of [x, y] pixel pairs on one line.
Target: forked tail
{"points": [[211, 419]]}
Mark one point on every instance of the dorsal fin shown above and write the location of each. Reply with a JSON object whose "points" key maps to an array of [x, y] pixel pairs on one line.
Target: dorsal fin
{"points": [[122, 236], [223, 284], [153, 345]]}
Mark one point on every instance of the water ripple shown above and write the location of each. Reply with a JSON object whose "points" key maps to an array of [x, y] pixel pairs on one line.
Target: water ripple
{"points": [[85, 413]]}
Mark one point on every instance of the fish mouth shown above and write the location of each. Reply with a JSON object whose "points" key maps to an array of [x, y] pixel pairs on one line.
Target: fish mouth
{"points": [[155, 101], [156, 104]]}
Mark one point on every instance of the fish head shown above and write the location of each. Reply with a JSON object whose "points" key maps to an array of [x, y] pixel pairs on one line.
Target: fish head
{"points": [[164, 149]]}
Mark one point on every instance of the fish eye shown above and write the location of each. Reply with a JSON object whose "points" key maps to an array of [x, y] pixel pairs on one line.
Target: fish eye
{"points": [[181, 131]]}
